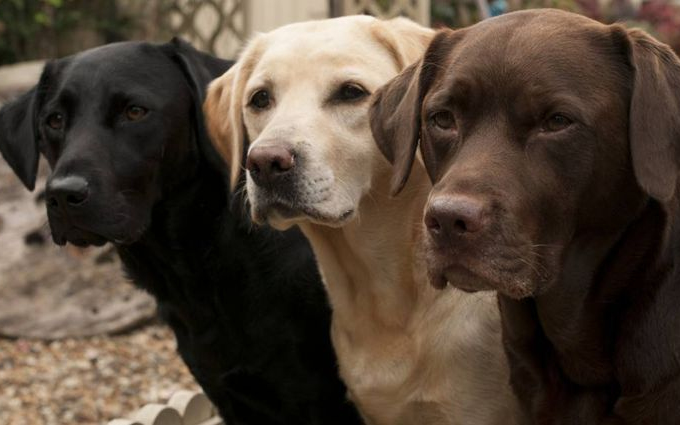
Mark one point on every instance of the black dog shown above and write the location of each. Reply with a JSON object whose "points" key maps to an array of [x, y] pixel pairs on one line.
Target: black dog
{"points": [[554, 145], [122, 129]]}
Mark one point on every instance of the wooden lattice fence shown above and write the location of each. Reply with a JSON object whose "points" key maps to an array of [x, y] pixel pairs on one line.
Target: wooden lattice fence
{"points": [[418, 10]]}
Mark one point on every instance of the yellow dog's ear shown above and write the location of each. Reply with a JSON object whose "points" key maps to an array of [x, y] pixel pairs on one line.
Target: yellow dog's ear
{"points": [[404, 39], [654, 114], [223, 109]]}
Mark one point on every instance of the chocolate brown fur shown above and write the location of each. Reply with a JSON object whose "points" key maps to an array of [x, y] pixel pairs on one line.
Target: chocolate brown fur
{"points": [[574, 216]]}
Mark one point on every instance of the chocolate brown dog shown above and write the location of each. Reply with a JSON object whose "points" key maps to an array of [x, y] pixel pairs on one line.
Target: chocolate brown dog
{"points": [[553, 143]]}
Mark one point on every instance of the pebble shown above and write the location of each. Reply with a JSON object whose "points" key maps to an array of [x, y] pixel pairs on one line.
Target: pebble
{"points": [[88, 381]]}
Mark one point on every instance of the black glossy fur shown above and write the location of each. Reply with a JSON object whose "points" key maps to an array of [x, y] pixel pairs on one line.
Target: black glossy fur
{"points": [[246, 303]]}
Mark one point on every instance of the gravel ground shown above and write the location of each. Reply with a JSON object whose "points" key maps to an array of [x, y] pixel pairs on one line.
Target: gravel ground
{"points": [[88, 381]]}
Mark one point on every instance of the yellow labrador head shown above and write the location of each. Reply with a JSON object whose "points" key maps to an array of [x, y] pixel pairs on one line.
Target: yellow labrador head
{"points": [[298, 99]]}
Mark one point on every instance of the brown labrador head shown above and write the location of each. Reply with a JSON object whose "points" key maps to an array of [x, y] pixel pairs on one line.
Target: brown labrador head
{"points": [[543, 131]]}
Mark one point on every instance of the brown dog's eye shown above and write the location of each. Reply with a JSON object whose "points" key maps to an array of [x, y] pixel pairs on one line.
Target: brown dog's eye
{"points": [[135, 113], [444, 120], [556, 122], [350, 92], [55, 121], [260, 100]]}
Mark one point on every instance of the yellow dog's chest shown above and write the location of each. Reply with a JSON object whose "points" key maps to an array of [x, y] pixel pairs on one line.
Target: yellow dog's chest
{"points": [[387, 377]]}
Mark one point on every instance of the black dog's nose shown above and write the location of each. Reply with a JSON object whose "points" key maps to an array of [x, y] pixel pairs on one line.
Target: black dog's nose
{"points": [[67, 192], [449, 217], [267, 164]]}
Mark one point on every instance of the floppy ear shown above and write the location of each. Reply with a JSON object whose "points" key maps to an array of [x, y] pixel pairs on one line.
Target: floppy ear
{"points": [[199, 69], [19, 137], [223, 118], [654, 115], [223, 110], [395, 123], [396, 108], [404, 39]]}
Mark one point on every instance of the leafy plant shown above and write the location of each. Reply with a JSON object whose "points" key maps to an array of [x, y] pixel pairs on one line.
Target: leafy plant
{"points": [[31, 29]]}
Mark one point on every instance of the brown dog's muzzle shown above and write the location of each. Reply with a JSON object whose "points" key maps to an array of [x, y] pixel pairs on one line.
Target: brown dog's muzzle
{"points": [[456, 224], [452, 218], [471, 245]]}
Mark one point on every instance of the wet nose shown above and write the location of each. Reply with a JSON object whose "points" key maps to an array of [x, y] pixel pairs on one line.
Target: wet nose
{"points": [[67, 192], [450, 217], [269, 164]]}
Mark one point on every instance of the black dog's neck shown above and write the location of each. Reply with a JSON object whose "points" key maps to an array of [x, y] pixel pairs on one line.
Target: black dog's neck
{"points": [[188, 225]]}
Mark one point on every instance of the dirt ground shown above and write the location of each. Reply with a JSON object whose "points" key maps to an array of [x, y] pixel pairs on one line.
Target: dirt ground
{"points": [[78, 343]]}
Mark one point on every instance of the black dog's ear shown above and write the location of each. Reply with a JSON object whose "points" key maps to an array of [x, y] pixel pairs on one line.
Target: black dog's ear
{"points": [[199, 69], [395, 113], [19, 137], [654, 114]]}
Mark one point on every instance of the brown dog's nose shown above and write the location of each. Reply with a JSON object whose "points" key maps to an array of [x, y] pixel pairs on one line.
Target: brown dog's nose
{"points": [[67, 192], [449, 217], [268, 164]]}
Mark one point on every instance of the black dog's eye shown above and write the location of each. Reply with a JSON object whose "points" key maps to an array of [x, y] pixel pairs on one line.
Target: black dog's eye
{"points": [[350, 92], [556, 122], [135, 113], [55, 121], [444, 120], [260, 99]]}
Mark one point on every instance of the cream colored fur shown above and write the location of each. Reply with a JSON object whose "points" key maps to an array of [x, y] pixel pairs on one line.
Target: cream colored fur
{"points": [[408, 353]]}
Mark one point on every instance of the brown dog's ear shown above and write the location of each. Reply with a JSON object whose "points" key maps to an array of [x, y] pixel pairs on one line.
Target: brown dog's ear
{"points": [[405, 41], [396, 108], [655, 115], [223, 109], [395, 123]]}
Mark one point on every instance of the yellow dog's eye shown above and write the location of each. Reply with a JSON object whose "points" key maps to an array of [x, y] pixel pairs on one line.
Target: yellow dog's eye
{"points": [[135, 113], [350, 92], [260, 99], [556, 122]]}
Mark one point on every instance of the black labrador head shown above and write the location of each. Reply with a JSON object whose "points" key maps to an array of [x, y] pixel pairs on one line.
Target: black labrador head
{"points": [[545, 133], [120, 126]]}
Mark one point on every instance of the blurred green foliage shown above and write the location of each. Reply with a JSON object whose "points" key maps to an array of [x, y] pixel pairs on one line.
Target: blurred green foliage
{"points": [[31, 29]]}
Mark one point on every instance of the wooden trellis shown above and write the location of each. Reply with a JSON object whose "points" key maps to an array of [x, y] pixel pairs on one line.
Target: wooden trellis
{"points": [[217, 26], [222, 26], [418, 10]]}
